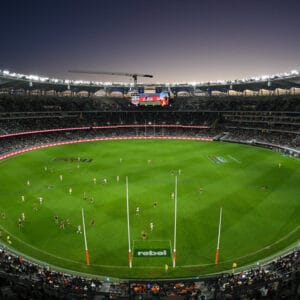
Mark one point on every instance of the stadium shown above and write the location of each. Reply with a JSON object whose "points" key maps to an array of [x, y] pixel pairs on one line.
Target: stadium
{"points": [[158, 191]]}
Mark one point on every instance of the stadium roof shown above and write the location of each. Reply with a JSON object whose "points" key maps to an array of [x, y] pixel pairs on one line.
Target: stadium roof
{"points": [[9, 80]]}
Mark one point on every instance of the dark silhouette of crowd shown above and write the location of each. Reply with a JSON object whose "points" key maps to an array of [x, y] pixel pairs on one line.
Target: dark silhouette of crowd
{"points": [[22, 279]]}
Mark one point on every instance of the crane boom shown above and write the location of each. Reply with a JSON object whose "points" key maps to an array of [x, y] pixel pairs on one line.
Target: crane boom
{"points": [[133, 75]]}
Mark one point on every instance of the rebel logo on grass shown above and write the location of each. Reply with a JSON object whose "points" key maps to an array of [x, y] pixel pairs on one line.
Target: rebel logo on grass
{"points": [[151, 252]]}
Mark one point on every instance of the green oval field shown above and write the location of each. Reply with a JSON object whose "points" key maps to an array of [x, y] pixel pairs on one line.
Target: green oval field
{"points": [[257, 189]]}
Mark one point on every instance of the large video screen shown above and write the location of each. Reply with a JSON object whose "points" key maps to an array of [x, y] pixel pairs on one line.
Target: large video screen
{"points": [[161, 99]]}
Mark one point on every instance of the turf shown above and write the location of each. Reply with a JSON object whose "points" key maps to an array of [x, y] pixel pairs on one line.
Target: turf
{"points": [[260, 201]]}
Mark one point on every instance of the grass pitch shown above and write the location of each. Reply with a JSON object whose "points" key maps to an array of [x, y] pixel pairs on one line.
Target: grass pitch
{"points": [[257, 188]]}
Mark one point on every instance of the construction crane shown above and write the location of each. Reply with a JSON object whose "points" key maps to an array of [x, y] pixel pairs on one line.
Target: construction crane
{"points": [[133, 75]]}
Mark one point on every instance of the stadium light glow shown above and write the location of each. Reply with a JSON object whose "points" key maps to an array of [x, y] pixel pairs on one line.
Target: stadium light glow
{"points": [[33, 77], [67, 82]]}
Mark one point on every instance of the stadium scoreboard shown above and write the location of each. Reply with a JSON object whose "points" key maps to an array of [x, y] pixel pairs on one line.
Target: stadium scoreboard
{"points": [[161, 99]]}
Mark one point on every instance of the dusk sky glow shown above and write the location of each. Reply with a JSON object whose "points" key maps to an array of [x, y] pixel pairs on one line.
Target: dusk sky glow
{"points": [[175, 40]]}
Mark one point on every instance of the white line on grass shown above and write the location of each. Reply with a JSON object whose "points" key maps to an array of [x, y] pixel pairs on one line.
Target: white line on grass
{"points": [[35, 248], [252, 253], [150, 241], [234, 159], [211, 160], [132, 251], [171, 253], [149, 267], [52, 255]]}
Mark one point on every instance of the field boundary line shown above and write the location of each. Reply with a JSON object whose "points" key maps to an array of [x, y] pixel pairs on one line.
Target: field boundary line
{"points": [[252, 253], [138, 267], [272, 244], [35, 248], [47, 253]]}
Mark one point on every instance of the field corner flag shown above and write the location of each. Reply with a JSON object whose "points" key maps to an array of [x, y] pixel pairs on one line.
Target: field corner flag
{"points": [[85, 241], [219, 236]]}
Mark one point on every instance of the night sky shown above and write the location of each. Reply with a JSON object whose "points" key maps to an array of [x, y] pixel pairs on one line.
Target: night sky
{"points": [[175, 40]]}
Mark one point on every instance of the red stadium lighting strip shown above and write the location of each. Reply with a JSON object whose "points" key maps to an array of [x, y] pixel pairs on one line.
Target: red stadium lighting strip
{"points": [[102, 127], [103, 139]]}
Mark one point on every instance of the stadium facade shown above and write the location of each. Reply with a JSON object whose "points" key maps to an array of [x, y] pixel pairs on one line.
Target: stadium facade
{"points": [[12, 82]]}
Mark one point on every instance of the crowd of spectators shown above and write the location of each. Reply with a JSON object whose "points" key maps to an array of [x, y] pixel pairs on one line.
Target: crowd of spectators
{"points": [[280, 103], [244, 135], [283, 122], [18, 142], [279, 279], [54, 103], [23, 279], [239, 103], [188, 289], [11, 125], [254, 135], [28, 280], [262, 116]]}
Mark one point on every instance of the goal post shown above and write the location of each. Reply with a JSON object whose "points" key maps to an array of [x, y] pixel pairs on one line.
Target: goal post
{"points": [[128, 225], [219, 236], [85, 240], [175, 220]]}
